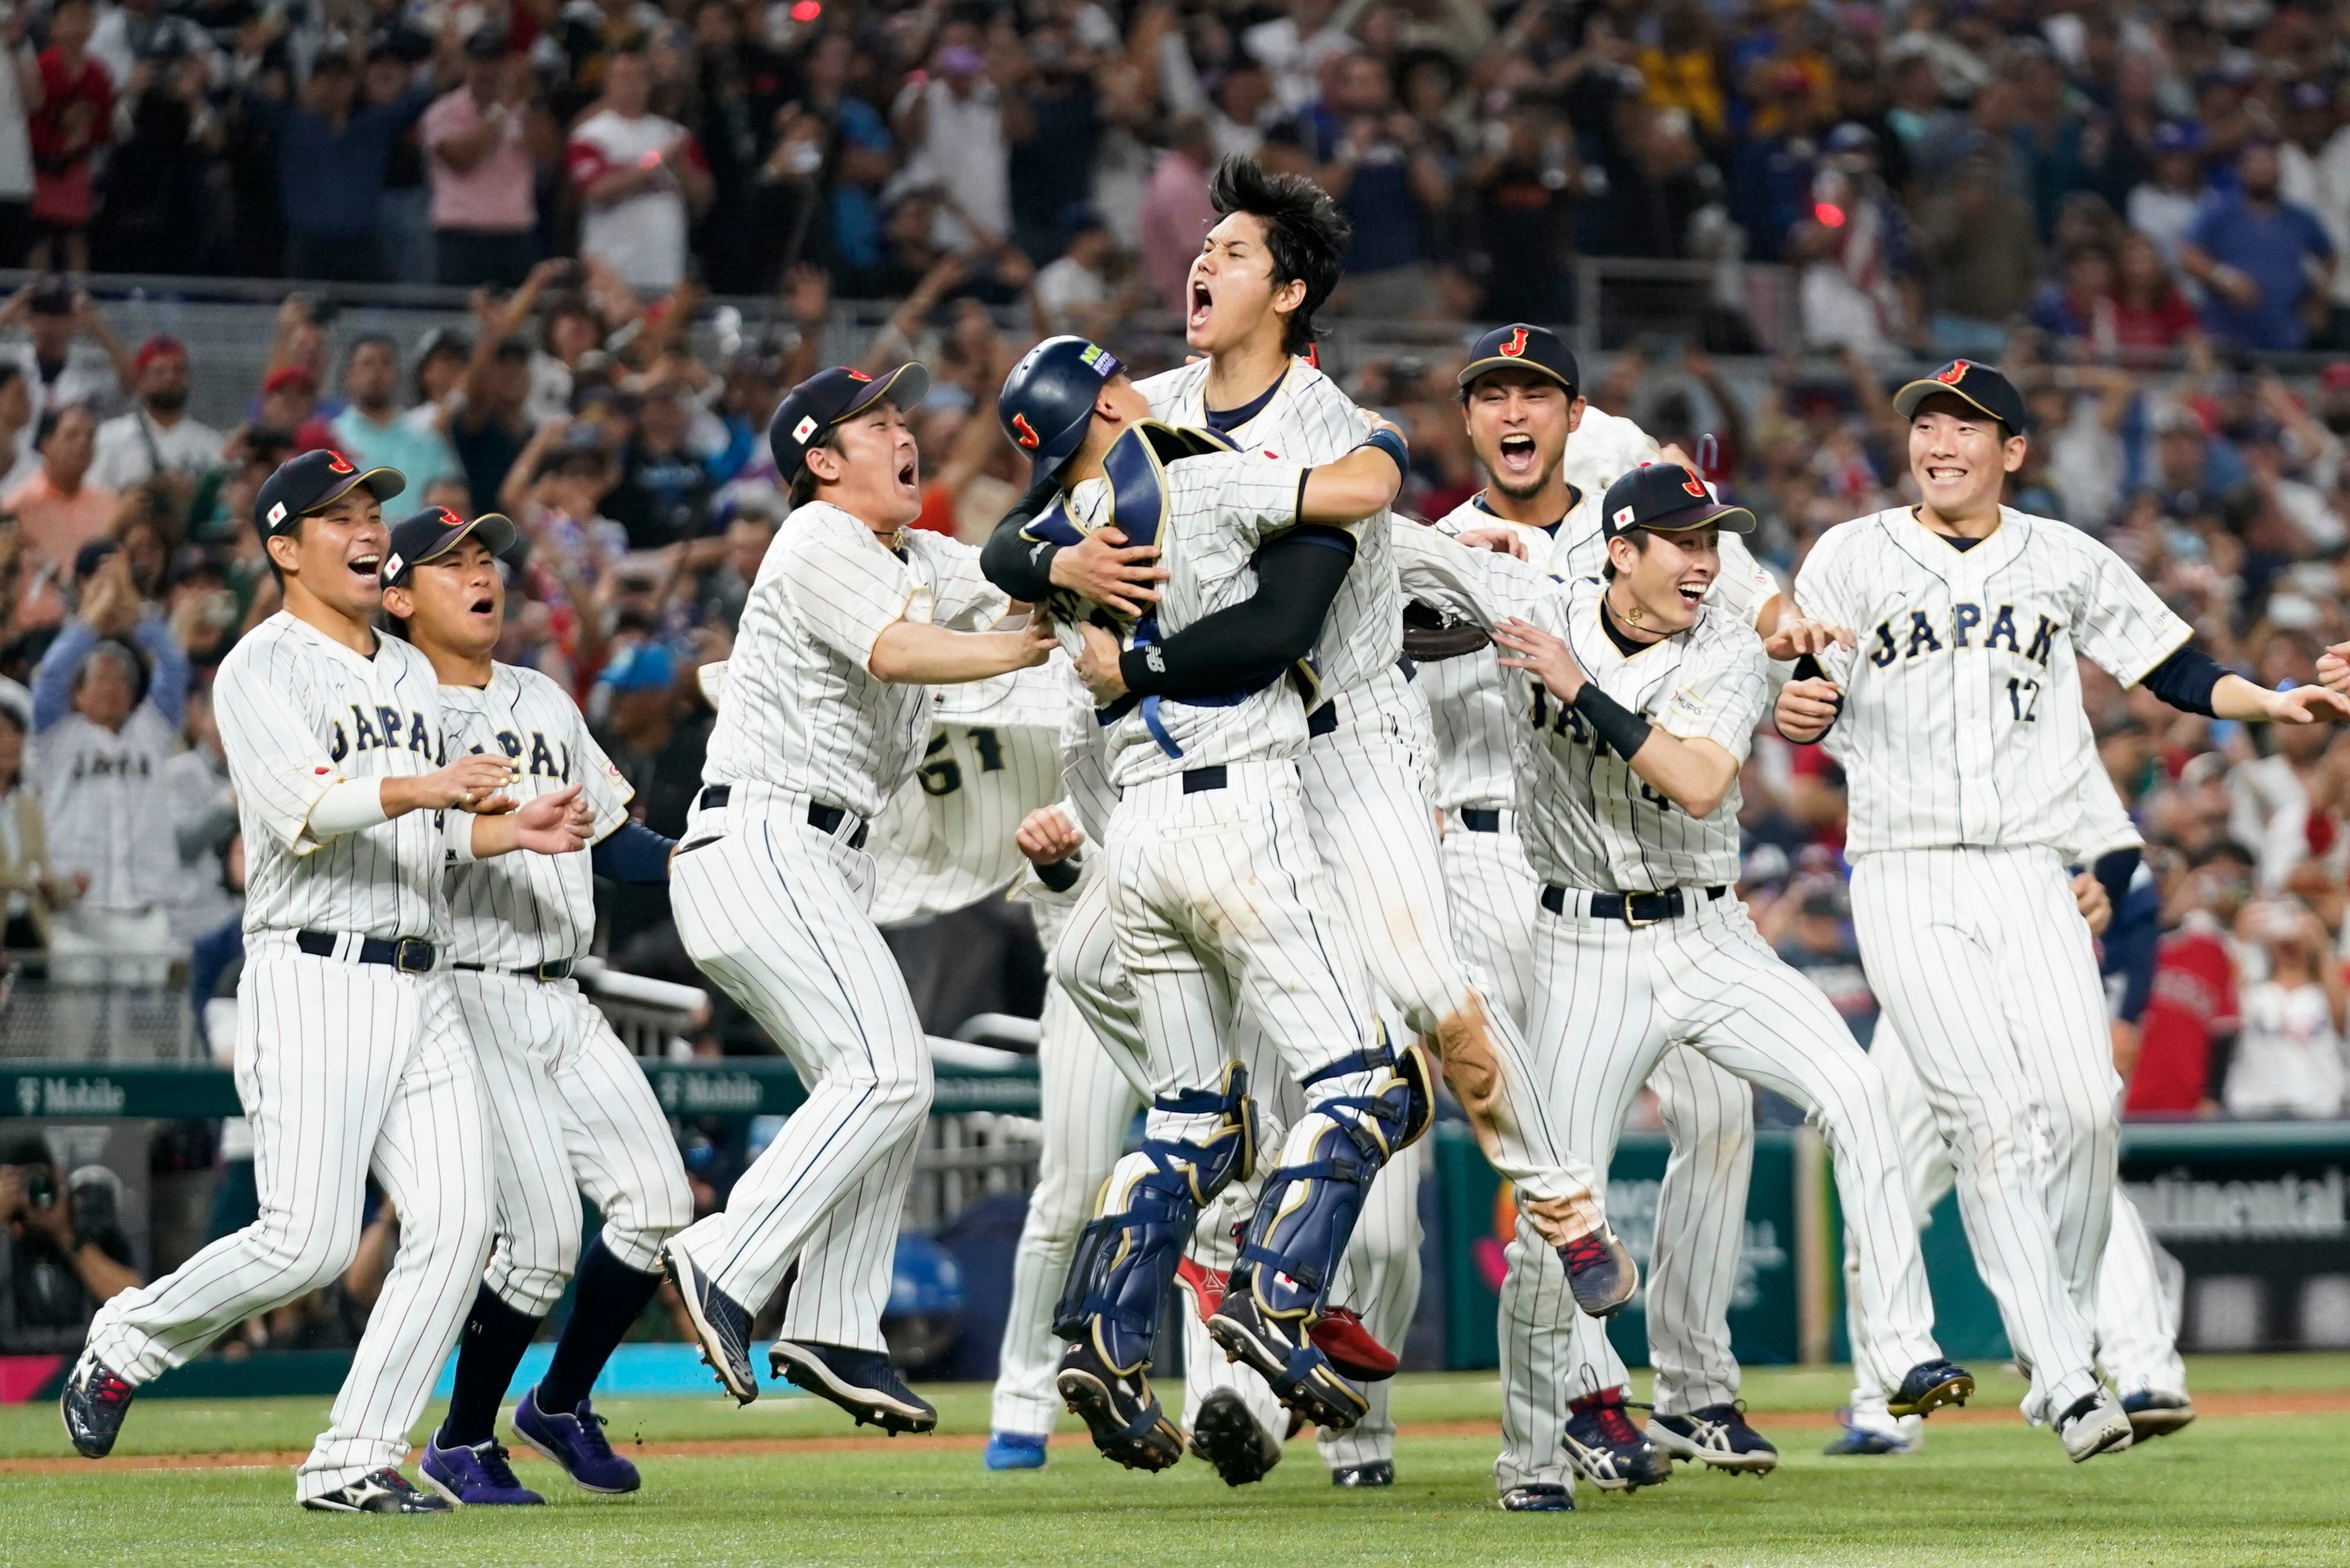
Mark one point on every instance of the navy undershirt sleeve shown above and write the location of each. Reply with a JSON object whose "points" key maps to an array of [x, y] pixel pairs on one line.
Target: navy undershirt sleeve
{"points": [[2186, 679], [632, 852], [1247, 645]]}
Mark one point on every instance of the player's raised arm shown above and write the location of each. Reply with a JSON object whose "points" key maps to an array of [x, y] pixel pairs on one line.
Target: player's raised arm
{"points": [[1359, 484]]}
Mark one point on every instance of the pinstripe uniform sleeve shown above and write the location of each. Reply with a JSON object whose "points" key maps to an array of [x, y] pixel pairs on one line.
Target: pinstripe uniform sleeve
{"points": [[1482, 586], [965, 599], [2124, 625], [1720, 692], [276, 761], [845, 590], [1822, 592], [1745, 585], [601, 784], [1257, 497]]}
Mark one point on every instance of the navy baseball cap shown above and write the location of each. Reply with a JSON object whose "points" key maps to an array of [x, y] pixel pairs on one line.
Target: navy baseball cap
{"points": [[433, 533], [1665, 498], [810, 410], [314, 482], [1047, 401], [1523, 346], [1969, 382]]}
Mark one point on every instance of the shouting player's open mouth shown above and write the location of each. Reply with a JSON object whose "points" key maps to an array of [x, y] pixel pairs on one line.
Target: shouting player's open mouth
{"points": [[1517, 457], [365, 565], [1203, 306]]}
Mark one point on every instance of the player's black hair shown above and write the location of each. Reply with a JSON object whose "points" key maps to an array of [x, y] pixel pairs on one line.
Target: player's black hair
{"points": [[1304, 232], [1639, 540], [805, 482]]}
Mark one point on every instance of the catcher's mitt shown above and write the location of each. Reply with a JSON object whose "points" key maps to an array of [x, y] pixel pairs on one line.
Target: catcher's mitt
{"points": [[1429, 636]]}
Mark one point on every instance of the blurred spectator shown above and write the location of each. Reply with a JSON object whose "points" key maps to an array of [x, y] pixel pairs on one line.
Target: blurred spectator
{"points": [[20, 84], [485, 206], [128, 32], [157, 437], [2192, 1016], [68, 355], [371, 433], [156, 211], [31, 889], [1074, 292], [1379, 165], [2289, 1058], [203, 823], [1051, 166], [1813, 927], [487, 426], [1522, 205], [60, 509], [741, 88], [958, 123], [1976, 239], [2313, 163], [334, 151], [663, 496], [2263, 262], [72, 122], [639, 177], [1176, 217], [63, 1254], [2164, 207]]}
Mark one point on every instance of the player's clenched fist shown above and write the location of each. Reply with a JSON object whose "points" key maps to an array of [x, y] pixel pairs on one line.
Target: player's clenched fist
{"points": [[1048, 836], [1805, 709], [556, 824]]}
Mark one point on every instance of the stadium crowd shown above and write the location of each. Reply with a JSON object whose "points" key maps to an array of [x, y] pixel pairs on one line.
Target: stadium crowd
{"points": [[2134, 209]]}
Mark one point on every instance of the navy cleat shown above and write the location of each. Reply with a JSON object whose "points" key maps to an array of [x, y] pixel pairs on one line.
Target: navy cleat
{"points": [[1118, 1408], [1379, 1472], [576, 1442], [2154, 1414], [1283, 1352], [721, 1326], [1717, 1435], [1929, 1386], [1224, 1434], [1856, 1440], [1538, 1499], [384, 1491], [475, 1477], [93, 1402], [1608, 1450], [861, 1382], [1600, 1273], [1014, 1452]]}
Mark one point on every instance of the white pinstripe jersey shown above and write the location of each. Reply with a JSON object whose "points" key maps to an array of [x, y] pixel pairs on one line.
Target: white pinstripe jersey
{"points": [[1309, 421], [1588, 820], [1085, 764], [945, 840], [521, 909], [103, 794], [799, 709], [298, 713], [1962, 721], [1475, 721], [1219, 508]]}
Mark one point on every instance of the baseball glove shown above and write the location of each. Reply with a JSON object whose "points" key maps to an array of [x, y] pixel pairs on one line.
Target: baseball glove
{"points": [[1427, 636]]}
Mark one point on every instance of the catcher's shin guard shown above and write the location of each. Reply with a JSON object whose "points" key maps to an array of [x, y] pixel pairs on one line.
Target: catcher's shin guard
{"points": [[1302, 1225], [1126, 1258]]}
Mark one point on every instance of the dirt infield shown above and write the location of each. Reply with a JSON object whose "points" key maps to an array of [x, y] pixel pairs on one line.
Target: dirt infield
{"points": [[2273, 1402]]}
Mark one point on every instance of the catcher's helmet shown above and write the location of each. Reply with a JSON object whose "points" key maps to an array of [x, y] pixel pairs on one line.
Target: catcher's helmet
{"points": [[1047, 401]]}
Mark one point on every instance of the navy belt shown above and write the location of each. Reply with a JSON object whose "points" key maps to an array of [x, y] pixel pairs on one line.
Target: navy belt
{"points": [[1404, 663], [1480, 819], [409, 955], [1633, 908], [1323, 721], [824, 819], [1199, 781], [554, 968]]}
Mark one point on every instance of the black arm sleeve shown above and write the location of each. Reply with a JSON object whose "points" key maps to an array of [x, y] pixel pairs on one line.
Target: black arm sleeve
{"points": [[1248, 644], [2185, 679], [632, 852], [1061, 875], [2113, 870], [1022, 568]]}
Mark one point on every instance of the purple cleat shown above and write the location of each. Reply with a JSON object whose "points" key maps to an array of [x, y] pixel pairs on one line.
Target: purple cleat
{"points": [[477, 1477], [574, 1441]]}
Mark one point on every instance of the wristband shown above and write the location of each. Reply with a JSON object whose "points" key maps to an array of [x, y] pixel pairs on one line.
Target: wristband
{"points": [[1624, 731], [457, 836], [1392, 442]]}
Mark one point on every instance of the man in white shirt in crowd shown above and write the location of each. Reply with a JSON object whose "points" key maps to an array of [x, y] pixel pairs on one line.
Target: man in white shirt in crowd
{"points": [[157, 436], [59, 370], [1074, 292], [640, 178]]}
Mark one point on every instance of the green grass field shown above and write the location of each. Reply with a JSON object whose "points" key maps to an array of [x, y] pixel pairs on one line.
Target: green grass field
{"points": [[2259, 1479]]}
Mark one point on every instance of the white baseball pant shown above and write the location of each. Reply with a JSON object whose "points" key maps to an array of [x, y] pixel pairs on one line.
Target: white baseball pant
{"points": [[344, 1069], [1692, 1268], [1620, 997], [2138, 1300], [1086, 1106], [775, 911], [571, 1113], [1981, 958]]}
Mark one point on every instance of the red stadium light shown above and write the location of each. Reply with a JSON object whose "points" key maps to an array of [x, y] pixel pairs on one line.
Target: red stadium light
{"points": [[1829, 214], [807, 10]]}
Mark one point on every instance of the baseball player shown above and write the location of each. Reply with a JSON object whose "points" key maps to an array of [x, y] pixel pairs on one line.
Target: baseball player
{"points": [[1647, 702], [824, 712], [1549, 458], [570, 1111], [1263, 271], [1214, 901], [2136, 1313], [350, 1058], [1957, 722]]}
